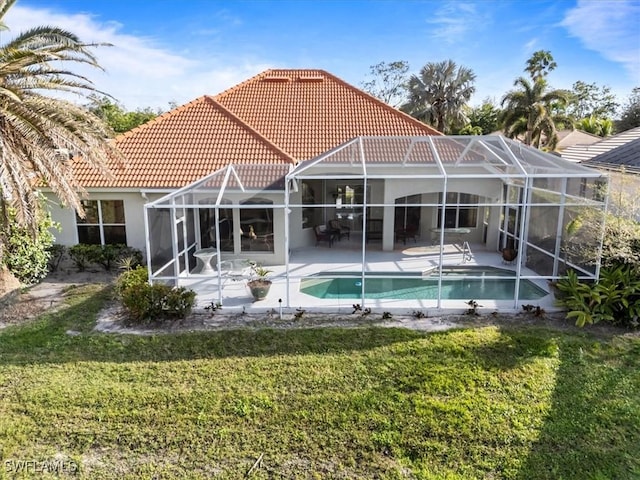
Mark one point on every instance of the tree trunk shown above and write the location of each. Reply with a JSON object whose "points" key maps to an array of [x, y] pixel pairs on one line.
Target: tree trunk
{"points": [[9, 285]]}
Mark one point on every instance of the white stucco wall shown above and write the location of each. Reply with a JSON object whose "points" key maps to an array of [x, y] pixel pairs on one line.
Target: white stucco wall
{"points": [[133, 213], [380, 191], [488, 189]]}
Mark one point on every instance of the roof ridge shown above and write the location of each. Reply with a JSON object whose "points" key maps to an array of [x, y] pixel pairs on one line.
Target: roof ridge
{"points": [[252, 130], [237, 86], [384, 105], [160, 118]]}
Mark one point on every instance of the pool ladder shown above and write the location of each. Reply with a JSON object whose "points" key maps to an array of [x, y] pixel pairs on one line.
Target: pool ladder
{"points": [[466, 252]]}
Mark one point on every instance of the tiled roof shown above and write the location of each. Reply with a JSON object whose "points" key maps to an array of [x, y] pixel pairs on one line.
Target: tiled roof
{"points": [[570, 138], [307, 112], [580, 153], [626, 155], [183, 146], [251, 177], [276, 117]]}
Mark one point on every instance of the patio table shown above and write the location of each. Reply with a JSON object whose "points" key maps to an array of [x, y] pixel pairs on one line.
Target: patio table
{"points": [[457, 233], [204, 255]]}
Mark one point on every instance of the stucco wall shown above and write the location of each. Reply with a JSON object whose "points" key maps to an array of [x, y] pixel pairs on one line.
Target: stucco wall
{"points": [[133, 213]]}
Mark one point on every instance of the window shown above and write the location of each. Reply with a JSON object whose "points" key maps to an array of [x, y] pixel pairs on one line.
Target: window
{"points": [[256, 225], [407, 218], [461, 211], [208, 225], [103, 224], [311, 196]]}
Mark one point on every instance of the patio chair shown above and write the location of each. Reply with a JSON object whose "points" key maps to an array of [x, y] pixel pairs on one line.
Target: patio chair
{"points": [[323, 235], [339, 231], [402, 234]]}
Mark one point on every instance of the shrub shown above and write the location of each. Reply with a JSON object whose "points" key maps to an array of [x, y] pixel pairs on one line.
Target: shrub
{"points": [[108, 255], [153, 303], [130, 278], [614, 298], [26, 253], [56, 253], [82, 255]]}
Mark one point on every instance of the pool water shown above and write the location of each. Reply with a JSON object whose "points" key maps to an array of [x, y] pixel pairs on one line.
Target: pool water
{"points": [[457, 284]]}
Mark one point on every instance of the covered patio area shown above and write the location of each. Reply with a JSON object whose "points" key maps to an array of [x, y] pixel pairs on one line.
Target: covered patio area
{"points": [[387, 223]]}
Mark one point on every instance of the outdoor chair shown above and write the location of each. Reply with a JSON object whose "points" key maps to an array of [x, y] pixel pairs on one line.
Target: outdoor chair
{"points": [[410, 231], [323, 234], [339, 231]]}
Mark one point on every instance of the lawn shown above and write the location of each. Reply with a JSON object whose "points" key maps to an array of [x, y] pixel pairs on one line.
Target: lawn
{"points": [[493, 402]]}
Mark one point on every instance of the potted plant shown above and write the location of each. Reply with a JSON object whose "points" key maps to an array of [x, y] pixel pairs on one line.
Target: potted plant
{"points": [[259, 284]]}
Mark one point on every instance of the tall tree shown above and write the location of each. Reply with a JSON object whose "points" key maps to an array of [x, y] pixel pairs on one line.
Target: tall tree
{"points": [[39, 132], [388, 82], [529, 112], [486, 116], [630, 117], [439, 95], [587, 99], [117, 117], [540, 64]]}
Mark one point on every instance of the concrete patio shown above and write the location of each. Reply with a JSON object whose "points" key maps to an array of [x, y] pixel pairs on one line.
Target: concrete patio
{"points": [[346, 256]]}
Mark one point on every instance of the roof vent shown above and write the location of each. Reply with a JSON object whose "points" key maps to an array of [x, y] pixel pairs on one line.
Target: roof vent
{"points": [[311, 79], [276, 79]]}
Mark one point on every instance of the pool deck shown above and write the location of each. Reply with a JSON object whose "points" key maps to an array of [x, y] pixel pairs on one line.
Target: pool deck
{"points": [[305, 262]]}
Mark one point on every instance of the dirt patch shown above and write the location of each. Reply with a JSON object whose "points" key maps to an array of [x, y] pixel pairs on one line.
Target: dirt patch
{"points": [[26, 303], [113, 319]]}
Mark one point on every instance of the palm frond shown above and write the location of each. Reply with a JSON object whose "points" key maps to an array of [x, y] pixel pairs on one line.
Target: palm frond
{"points": [[35, 126]]}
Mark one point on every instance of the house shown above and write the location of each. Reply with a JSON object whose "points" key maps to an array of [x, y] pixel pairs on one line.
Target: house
{"points": [[571, 138], [298, 170], [275, 119], [606, 150], [619, 157], [566, 139]]}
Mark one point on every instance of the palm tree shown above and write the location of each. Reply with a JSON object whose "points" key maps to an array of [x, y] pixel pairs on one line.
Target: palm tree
{"points": [[540, 64], [439, 95], [529, 112], [40, 133], [603, 127]]}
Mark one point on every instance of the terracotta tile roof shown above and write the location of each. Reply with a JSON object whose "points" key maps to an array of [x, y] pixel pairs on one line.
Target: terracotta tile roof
{"points": [[184, 145], [252, 177], [308, 112], [408, 152], [276, 117]]}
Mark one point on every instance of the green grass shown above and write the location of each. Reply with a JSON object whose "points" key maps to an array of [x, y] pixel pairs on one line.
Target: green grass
{"points": [[512, 403]]}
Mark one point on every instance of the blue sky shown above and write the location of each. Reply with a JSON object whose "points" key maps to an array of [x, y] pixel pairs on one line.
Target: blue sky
{"points": [[166, 51]]}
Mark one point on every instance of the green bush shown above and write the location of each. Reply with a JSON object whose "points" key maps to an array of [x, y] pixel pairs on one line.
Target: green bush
{"points": [[84, 255], [154, 303], [130, 278], [109, 255], [26, 253], [56, 253], [614, 298]]}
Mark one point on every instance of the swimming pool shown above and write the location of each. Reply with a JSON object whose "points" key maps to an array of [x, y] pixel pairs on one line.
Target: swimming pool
{"points": [[458, 283]]}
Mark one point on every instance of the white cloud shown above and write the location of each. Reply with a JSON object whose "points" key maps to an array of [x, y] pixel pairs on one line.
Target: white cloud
{"points": [[453, 20], [531, 45], [609, 28], [139, 72]]}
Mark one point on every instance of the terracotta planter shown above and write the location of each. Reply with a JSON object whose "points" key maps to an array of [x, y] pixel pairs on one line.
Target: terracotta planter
{"points": [[259, 288], [509, 254]]}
